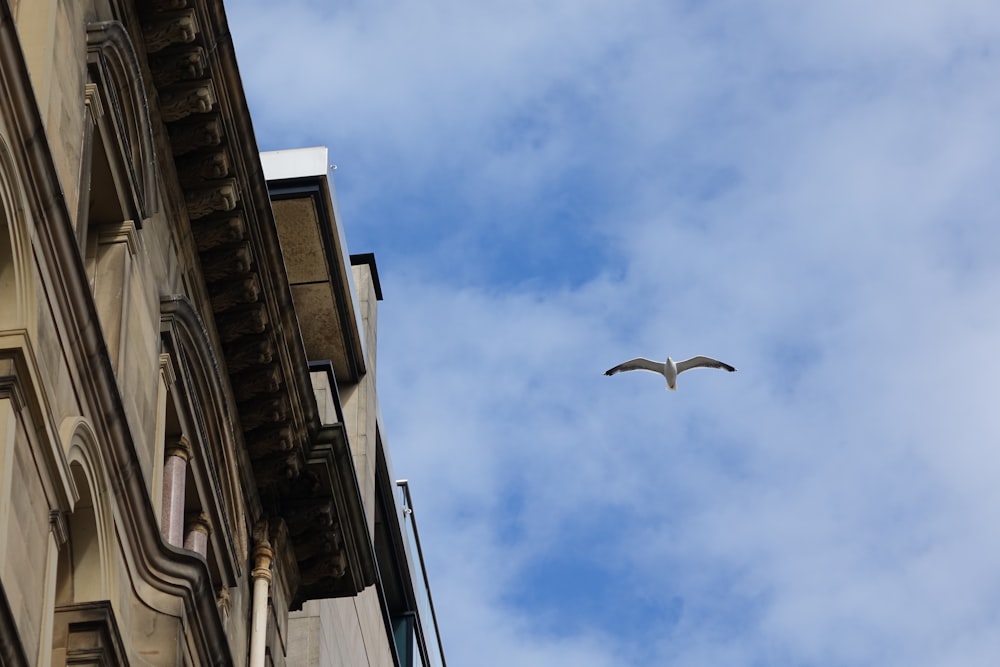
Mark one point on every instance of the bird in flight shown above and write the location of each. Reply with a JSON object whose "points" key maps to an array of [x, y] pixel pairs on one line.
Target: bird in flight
{"points": [[669, 369]]}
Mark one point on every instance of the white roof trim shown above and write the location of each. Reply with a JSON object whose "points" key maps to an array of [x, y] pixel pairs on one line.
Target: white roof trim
{"points": [[295, 163]]}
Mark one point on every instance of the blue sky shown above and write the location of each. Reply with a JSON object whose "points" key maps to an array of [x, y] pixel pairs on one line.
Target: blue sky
{"points": [[805, 190]]}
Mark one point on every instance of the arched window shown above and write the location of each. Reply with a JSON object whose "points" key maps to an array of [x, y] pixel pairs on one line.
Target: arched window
{"points": [[80, 576], [17, 302], [117, 180], [202, 507], [84, 571], [84, 627]]}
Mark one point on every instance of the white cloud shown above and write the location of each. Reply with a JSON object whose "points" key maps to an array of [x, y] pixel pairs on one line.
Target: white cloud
{"points": [[805, 190]]}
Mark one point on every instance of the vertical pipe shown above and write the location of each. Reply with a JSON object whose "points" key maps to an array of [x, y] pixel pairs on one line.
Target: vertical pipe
{"points": [[174, 477], [262, 556]]}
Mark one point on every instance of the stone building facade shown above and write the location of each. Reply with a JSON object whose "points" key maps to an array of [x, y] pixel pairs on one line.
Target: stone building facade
{"points": [[192, 464]]}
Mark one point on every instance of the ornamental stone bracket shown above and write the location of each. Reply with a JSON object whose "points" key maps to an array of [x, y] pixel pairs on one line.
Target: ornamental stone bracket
{"points": [[326, 520]]}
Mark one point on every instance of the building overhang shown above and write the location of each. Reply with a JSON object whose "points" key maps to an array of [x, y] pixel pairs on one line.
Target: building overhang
{"points": [[255, 315], [316, 259]]}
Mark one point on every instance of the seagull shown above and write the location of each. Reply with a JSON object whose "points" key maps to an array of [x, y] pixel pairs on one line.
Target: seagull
{"points": [[669, 369]]}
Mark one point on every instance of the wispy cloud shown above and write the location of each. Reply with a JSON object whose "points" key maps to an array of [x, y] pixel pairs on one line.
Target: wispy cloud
{"points": [[805, 190]]}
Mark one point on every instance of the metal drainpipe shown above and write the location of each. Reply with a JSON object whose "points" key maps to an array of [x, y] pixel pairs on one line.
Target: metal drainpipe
{"points": [[262, 556]]}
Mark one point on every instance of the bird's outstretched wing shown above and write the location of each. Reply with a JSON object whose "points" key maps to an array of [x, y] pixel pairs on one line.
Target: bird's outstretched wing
{"points": [[639, 364], [702, 362]]}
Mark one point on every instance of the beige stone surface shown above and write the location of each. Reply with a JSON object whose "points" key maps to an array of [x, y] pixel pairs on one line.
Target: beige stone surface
{"points": [[304, 635], [368, 305], [300, 239], [25, 542], [321, 330]]}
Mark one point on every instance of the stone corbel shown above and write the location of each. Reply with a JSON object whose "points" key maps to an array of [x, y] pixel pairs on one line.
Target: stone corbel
{"points": [[266, 441], [170, 28], [309, 516], [315, 570], [219, 196], [214, 231], [186, 99], [318, 543], [249, 351], [235, 293], [249, 384], [167, 5], [238, 322], [264, 411], [192, 135], [173, 66], [225, 262], [196, 168], [277, 468]]}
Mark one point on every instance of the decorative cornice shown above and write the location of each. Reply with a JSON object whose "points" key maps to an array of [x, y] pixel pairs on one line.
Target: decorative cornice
{"points": [[228, 205], [326, 520]]}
